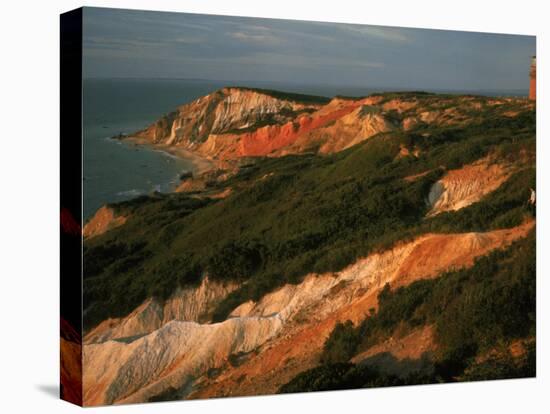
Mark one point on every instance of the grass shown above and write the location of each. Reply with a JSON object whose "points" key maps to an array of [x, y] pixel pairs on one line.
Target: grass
{"points": [[290, 96], [290, 216], [476, 311]]}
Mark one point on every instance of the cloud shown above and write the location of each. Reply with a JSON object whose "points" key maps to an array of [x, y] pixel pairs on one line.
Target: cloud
{"points": [[126, 43], [285, 60], [311, 62], [259, 34], [106, 42], [189, 40], [277, 31], [386, 33], [391, 34], [267, 39]]}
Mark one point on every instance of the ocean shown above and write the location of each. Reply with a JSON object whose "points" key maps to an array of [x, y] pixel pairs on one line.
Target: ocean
{"points": [[116, 170]]}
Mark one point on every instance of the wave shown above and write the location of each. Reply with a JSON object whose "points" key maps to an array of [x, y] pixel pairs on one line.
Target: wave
{"points": [[113, 140], [167, 154]]}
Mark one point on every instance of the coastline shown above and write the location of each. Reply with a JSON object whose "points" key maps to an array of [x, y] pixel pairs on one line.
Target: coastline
{"points": [[200, 164], [192, 162]]}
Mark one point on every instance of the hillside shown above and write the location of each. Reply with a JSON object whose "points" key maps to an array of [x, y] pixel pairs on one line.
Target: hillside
{"points": [[395, 212], [240, 122]]}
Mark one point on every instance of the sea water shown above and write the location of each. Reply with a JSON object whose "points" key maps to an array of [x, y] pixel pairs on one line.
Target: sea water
{"points": [[116, 170]]}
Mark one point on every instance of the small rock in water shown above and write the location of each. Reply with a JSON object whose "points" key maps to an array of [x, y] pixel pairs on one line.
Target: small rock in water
{"points": [[122, 135], [185, 175]]}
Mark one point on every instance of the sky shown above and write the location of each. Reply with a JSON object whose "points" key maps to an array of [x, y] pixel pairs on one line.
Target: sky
{"points": [[144, 44]]}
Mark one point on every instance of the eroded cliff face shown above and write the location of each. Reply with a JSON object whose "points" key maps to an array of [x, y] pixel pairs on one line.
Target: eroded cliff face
{"points": [[363, 122], [223, 111], [464, 186], [350, 296], [70, 363], [263, 344], [104, 219], [189, 304], [171, 349], [238, 122]]}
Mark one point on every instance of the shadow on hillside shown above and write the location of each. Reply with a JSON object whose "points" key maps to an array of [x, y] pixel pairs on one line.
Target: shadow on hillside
{"points": [[387, 363]]}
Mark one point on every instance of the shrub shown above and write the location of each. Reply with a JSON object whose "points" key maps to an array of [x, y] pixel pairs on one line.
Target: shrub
{"points": [[298, 214], [341, 344]]}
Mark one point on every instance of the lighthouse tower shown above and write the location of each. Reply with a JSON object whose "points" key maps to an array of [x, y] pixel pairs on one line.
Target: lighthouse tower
{"points": [[533, 79]]}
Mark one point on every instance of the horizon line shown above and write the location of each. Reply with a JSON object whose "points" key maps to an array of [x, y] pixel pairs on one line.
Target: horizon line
{"points": [[374, 88]]}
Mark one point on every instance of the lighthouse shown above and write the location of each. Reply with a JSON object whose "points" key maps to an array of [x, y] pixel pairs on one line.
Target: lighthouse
{"points": [[533, 79]]}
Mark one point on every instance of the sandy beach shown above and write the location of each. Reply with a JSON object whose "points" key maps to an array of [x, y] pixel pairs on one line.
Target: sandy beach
{"points": [[200, 163]]}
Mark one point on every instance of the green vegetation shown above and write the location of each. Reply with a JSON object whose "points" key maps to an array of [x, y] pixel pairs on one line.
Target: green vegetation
{"points": [[472, 308], [407, 95], [394, 116], [477, 311], [341, 345], [503, 366], [290, 216], [344, 376], [289, 96]]}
